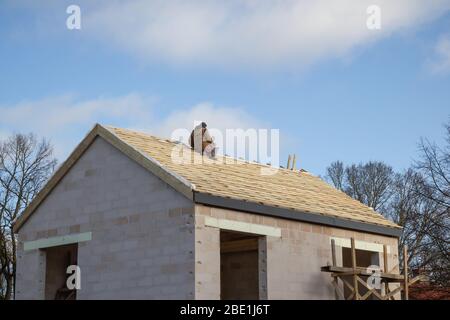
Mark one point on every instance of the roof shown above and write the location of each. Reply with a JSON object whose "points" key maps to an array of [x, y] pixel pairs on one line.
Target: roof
{"points": [[233, 183]]}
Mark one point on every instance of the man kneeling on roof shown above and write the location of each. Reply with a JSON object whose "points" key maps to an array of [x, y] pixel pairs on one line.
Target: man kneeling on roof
{"points": [[202, 142]]}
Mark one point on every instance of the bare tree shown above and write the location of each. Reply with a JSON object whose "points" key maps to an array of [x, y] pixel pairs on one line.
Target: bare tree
{"points": [[424, 226], [336, 174], [25, 165], [434, 165], [418, 200], [369, 183]]}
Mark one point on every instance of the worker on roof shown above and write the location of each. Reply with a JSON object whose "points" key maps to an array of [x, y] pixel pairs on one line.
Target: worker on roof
{"points": [[201, 141]]}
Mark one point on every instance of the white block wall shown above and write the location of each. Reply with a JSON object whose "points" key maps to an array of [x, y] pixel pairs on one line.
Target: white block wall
{"points": [[142, 243]]}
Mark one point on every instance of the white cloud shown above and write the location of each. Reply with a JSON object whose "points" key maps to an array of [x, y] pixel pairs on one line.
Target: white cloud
{"points": [[51, 114], [220, 118], [250, 33], [65, 120], [440, 64]]}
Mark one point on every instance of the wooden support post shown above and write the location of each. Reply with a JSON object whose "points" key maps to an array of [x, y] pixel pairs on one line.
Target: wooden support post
{"points": [[333, 261], [386, 268], [289, 163], [293, 162], [405, 271], [355, 276], [333, 252]]}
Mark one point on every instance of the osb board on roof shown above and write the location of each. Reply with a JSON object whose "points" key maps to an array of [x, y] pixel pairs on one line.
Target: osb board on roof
{"points": [[240, 180]]}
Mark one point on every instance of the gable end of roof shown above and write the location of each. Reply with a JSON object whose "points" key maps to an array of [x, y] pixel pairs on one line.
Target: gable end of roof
{"points": [[178, 183]]}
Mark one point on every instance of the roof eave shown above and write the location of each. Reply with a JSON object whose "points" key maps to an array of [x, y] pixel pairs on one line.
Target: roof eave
{"points": [[252, 207]]}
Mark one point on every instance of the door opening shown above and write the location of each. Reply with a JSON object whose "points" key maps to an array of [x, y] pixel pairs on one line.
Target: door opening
{"points": [[57, 260], [239, 266]]}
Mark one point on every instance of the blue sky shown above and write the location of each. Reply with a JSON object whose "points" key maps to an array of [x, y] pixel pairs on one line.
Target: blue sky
{"points": [[334, 91]]}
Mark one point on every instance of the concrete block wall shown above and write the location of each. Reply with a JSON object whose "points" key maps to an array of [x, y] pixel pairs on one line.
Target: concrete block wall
{"points": [[142, 243], [239, 276], [30, 277], [207, 258], [293, 260]]}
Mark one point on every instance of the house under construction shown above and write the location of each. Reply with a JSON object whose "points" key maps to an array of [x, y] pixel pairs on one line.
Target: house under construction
{"points": [[142, 226]]}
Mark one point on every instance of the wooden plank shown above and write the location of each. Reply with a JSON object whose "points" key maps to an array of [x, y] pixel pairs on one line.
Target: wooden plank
{"points": [[375, 293], [414, 280], [386, 268], [333, 261], [349, 286], [338, 290], [405, 271], [239, 245], [344, 274], [367, 294], [385, 259], [341, 271], [359, 244], [393, 292], [333, 252], [355, 277]]}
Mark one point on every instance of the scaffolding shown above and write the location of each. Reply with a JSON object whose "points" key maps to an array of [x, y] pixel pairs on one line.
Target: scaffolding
{"points": [[357, 282]]}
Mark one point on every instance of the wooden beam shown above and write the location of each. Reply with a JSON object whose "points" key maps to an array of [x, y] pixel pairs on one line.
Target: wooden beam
{"points": [[386, 268], [414, 280], [367, 294], [405, 271], [393, 292], [239, 245], [338, 290], [333, 261], [359, 244], [355, 277], [374, 292], [343, 271], [333, 253], [352, 290]]}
